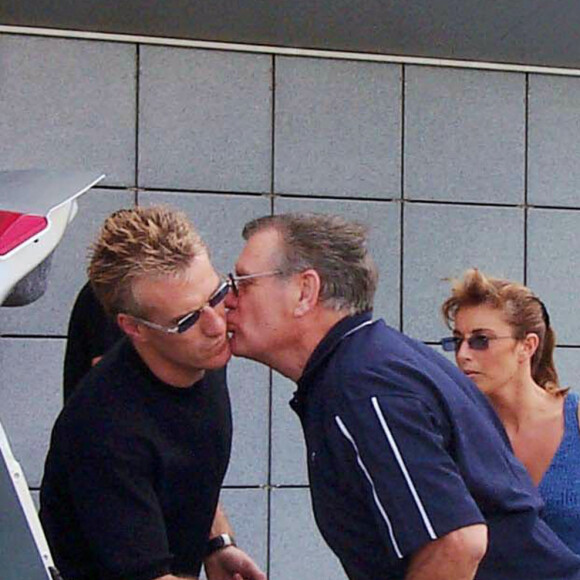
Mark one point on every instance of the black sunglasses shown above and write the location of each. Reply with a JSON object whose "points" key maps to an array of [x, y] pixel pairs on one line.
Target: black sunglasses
{"points": [[190, 319], [475, 342]]}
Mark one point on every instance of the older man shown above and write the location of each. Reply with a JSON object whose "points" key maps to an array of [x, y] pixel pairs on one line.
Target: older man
{"points": [[411, 474], [138, 454]]}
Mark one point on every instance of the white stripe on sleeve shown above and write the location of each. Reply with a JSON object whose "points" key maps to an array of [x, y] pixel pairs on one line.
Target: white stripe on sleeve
{"points": [[376, 498], [403, 468]]}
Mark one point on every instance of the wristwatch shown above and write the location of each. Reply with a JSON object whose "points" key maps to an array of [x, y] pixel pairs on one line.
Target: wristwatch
{"points": [[218, 543]]}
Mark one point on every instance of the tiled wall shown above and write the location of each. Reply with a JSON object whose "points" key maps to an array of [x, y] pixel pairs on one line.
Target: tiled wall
{"points": [[451, 168]]}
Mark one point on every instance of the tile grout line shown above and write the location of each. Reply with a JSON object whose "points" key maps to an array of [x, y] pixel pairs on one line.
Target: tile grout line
{"points": [[402, 208], [526, 168], [137, 114]]}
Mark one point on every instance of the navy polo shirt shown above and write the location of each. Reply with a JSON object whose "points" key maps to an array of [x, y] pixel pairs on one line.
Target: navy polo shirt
{"points": [[403, 449]]}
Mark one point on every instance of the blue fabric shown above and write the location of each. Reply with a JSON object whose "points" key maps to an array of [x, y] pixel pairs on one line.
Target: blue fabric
{"points": [[560, 486], [403, 449]]}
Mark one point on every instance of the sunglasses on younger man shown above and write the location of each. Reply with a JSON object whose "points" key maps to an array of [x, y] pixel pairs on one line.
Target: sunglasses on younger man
{"points": [[190, 319]]}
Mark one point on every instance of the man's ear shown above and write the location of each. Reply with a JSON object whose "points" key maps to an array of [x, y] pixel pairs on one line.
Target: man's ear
{"points": [[130, 327], [309, 292]]}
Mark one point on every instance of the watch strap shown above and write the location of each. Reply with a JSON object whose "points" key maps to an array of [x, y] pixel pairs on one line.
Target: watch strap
{"points": [[219, 543]]}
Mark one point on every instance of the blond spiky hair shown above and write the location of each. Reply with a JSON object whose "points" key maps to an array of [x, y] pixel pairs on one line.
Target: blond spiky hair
{"points": [[136, 242]]}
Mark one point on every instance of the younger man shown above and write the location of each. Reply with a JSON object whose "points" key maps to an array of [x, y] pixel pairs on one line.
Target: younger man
{"points": [[139, 453]]}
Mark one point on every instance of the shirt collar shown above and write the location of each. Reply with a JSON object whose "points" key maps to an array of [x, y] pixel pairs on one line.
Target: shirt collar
{"points": [[327, 345]]}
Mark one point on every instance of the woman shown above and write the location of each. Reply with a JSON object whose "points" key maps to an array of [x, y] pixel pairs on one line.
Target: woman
{"points": [[504, 342]]}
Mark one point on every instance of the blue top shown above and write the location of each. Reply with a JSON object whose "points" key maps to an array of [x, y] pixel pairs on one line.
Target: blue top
{"points": [[403, 449], [560, 486]]}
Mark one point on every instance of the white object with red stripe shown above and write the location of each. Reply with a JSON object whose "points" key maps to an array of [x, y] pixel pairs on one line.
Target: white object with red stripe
{"points": [[36, 206]]}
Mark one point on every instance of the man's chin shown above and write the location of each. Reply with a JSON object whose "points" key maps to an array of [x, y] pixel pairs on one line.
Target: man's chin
{"points": [[220, 358]]}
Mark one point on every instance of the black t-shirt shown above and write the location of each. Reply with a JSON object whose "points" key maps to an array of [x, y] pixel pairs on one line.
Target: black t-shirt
{"points": [[90, 334], [134, 470]]}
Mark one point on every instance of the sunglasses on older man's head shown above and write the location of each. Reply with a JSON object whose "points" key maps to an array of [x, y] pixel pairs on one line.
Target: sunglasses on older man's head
{"points": [[475, 342], [190, 319]]}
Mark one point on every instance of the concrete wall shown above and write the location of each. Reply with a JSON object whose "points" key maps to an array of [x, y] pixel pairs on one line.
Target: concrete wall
{"points": [[451, 168]]}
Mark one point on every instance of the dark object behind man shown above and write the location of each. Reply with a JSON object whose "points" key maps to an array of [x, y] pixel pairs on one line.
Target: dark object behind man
{"points": [[91, 333]]}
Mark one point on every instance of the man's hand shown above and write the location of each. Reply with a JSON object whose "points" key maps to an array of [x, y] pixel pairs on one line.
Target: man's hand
{"points": [[231, 563]]}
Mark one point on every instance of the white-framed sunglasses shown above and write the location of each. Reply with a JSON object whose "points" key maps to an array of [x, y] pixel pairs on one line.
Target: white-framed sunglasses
{"points": [[190, 319]]}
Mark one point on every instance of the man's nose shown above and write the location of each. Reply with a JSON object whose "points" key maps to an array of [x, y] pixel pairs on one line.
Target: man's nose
{"points": [[213, 320], [463, 352]]}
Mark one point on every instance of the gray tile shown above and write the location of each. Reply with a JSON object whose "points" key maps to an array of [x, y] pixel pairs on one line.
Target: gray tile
{"points": [[249, 385], [288, 448], [338, 128], [297, 549], [383, 220], [464, 135], [219, 218], [50, 314], [554, 140], [247, 511], [68, 104], [442, 241], [32, 388], [554, 267], [204, 120], [567, 361]]}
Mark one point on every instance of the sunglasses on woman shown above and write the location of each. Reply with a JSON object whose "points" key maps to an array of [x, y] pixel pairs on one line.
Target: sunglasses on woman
{"points": [[475, 342]]}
